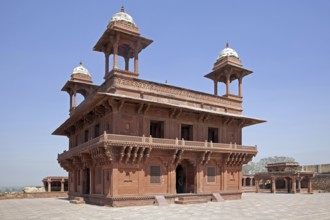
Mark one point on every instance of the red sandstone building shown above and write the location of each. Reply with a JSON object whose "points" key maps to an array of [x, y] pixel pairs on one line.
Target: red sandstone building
{"points": [[131, 139]]}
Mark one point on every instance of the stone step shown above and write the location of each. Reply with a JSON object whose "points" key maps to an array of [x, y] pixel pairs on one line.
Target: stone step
{"points": [[77, 200], [190, 200]]}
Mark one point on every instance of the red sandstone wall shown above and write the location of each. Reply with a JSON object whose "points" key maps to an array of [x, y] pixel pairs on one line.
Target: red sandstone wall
{"points": [[321, 182]]}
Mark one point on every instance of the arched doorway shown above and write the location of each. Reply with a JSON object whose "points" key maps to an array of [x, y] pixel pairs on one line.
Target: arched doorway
{"points": [[86, 181], [180, 179], [185, 177]]}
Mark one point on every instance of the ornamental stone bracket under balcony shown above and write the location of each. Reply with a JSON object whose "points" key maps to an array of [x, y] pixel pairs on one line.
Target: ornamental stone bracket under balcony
{"points": [[157, 143]]}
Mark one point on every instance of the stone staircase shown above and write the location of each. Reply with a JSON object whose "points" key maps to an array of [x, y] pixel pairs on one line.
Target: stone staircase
{"points": [[190, 200], [77, 200]]}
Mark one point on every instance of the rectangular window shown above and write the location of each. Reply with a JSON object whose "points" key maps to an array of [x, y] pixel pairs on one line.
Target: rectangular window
{"points": [[86, 136], [187, 132], [213, 135], [211, 174], [157, 129], [96, 130], [154, 174]]}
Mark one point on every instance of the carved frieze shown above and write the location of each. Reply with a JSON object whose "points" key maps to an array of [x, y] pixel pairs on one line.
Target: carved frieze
{"points": [[171, 91]]}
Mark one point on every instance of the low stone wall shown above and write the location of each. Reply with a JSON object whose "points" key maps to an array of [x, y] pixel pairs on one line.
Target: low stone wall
{"points": [[319, 168], [321, 182], [33, 195]]}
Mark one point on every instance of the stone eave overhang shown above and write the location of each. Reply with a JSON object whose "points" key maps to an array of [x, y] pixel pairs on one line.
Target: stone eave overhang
{"points": [[212, 75], [98, 97], [185, 107], [70, 82]]}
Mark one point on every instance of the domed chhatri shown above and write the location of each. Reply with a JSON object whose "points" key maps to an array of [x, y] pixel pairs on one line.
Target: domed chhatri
{"points": [[122, 16], [227, 52], [80, 70]]}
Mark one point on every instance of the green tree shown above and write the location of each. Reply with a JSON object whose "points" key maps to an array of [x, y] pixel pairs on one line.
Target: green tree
{"points": [[256, 167]]}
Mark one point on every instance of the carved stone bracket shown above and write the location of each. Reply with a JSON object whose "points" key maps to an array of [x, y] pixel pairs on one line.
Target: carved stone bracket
{"points": [[177, 156], [134, 154]]}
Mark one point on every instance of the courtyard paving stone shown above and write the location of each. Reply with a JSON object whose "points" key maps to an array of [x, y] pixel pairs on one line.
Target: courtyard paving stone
{"points": [[252, 206]]}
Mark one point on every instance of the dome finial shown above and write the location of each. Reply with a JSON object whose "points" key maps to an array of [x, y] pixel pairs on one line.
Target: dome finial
{"points": [[122, 9], [80, 63], [227, 45]]}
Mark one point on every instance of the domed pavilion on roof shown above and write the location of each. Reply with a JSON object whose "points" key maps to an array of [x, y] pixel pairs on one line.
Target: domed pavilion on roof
{"points": [[137, 142]]}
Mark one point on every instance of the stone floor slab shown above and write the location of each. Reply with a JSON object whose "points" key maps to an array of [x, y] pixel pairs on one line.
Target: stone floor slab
{"points": [[251, 206]]}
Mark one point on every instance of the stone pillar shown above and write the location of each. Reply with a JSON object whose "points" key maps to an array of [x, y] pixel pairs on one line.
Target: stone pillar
{"points": [[244, 181], [310, 188], [240, 79], [62, 185], [70, 101], [136, 62], [299, 184], [49, 185], [215, 87], [273, 190], [294, 190], [74, 99], [286, 184], [257, 185], [91, 180], [227, 84], [126, 63], [106, 54], [115, 55], [239, 177]]}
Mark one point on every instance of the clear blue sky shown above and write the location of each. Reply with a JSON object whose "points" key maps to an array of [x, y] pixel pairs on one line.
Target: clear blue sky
{"points": [[285, 43]]}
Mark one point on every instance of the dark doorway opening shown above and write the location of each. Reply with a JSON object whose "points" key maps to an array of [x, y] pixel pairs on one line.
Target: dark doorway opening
{"points": [[86, 181], [180, 179]]}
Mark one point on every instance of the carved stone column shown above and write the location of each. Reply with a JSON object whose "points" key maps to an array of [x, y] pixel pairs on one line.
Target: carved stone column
{"points": [[136, 62], [115, 55], [126, 63], [91, 180], [299, 184], [294, 190], [215, 87], [62, 185], [310, 188], [227, 84], [106, 54], [273, 190], [240, 87], [49, 185], [257, 185], [286, 185]]}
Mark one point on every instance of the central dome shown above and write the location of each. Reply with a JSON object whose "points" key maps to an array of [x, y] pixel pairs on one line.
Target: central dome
{"points": [[227, 52], [122, 16]]}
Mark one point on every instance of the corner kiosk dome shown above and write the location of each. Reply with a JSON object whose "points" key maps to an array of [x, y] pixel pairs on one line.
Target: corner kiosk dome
{"points": [[227, 52], [81, 70], [80, 73], [122, 16]]}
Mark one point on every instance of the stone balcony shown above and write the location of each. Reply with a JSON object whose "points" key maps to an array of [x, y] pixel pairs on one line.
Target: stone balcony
{"points": [[156, 143]]}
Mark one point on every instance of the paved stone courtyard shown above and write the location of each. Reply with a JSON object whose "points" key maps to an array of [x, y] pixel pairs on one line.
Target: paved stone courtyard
{"points": [[252, 206]]}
